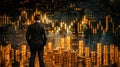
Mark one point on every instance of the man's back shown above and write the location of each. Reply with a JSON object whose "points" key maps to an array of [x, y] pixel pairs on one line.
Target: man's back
{"points": [[36, 32]]}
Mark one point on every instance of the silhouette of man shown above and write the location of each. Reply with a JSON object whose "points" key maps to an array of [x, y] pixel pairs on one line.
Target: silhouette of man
{"points": [[36, 39]]}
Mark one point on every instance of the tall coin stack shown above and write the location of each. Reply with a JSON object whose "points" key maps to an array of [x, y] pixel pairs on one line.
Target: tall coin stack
{"points": [[99, 54], [105, 55], [81, 48], [112, 54]]}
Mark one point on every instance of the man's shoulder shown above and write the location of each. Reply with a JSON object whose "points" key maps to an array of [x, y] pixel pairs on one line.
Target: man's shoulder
{"points": [[30, 25], [41, 24]]}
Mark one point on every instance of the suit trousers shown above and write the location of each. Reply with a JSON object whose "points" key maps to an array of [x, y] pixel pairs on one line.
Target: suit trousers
{"points": [[33, 51]]}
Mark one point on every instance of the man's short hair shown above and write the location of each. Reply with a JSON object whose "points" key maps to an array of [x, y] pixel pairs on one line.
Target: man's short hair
{"points": [[37, 17]]}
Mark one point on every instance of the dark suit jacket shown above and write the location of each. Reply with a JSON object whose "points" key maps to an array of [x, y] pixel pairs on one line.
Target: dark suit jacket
{"points": [[36, 34]]}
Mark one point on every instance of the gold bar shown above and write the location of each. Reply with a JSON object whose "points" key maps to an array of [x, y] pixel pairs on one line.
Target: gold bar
{"points": [[87, 51], [91, 26], [99, 54], [113, 28], [95, 31], [45, 50], [7, 55], [23, 52], [103, 32], [99, 23], [89, 23], [5, 18], [97, 26], [12, 54], [17, 52], [78, 27], [22, 64], [61, 25], [49, 46], [81, 48], [69, 27], [105, 55], [28, 54], [1, 53], [116, 54], [106, 23], [32, 18], [53, 24], [68, 42], [1, 47], [88, 62], [62, 42], [93, 57], [101, 27], [65, 26], [112, 54]]}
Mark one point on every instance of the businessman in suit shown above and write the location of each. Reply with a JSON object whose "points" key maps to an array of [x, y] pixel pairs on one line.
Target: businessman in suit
{"points": [[36, 39]]}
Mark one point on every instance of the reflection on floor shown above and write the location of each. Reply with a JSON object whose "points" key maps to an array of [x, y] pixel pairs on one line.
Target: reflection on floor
{"points": [[104, 56]]}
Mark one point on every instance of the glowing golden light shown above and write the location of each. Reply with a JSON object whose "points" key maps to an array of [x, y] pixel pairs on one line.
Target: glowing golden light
{"points": [[84, 20]]}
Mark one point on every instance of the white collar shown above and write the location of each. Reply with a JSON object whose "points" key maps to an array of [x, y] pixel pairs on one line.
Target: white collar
{"points": [[38, 21]]}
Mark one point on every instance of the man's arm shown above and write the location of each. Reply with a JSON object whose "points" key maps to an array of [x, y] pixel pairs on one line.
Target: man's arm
{"points": [[45, 36], [28, 37]]}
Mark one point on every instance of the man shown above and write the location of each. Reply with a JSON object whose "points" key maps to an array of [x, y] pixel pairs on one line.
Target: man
{"points": [[36, 39]]}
